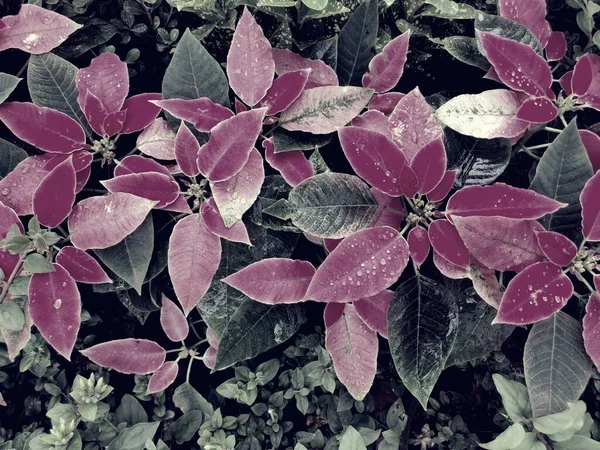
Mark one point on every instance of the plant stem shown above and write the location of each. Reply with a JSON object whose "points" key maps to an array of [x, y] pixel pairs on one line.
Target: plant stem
{"points": [[12, 276], [537, 147], [527, 150], [553, 130], [585, 282], [189, 370], [22, 69], [563, 121]]}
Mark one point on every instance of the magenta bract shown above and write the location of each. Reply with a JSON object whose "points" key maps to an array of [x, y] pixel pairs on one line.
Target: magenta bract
{"points": [[285, 90], [429, 165], [159, 188], [373, 120], [537, 110], [139, 164], [391, 212], [81, 160], [387, 67], [557, 46], [129, 356], [443, 188], [158, 140], [53, 199], [409, 183], [293, 166], [82, 267], [582, 74], [485, 283], [531, 14], [446, 241], [163, 377], [186, 151], [320, 75], [27, 176], [140, 112], [200, 112], [214, 222], [373, 311], [386, 102], [558, 248], [448, 269], [591, 328], [172, 321], [418, 244], [590, 208], [591, 142]]}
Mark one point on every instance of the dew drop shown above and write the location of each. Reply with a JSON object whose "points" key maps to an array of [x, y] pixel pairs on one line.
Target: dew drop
{"points": [[57, 303]]}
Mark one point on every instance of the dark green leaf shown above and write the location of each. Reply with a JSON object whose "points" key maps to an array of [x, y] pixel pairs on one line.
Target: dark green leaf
{"points": [[187, 399], [465, 50], [94, 33], [8, 83], [135, 437], [286, 141], [11, 316], [274, 188], [507, 29], [10, 156], [325, 50], [184, 428], [130, 411], [141, 306]]}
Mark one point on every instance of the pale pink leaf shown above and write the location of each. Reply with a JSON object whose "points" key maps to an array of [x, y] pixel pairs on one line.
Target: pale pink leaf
{"points": [[591, 142], [558, 248], [8, 218], [82, 178], [485, 283], [386, 102], [101, 222], [3, 25], [139, 164], [373, 120], [429, 165], [230, 145], [443, 188], [180, 205], [557, 46], [536, 293], [186, 151], [212, 338], [140, 112], [591, 329], [27, 176], [321, 74], [159, 188], [353, 347], [591, 98], [537, 110], [391, 213], [387, 67], [590, 208], [47, 129], [106, 79], [35, 30], [529, 13], [418, 244], [293, 166], [446, 241], [409, 184], [158, 140], [501, 243], [285, 90], [193, 259], [81, 266], [172, 321], [448, 269], [364, 264], [129, 356], [163, 377], [413, 124], [53, 199], [214, 222], [373, 311], [200, 112], [55, 308]]}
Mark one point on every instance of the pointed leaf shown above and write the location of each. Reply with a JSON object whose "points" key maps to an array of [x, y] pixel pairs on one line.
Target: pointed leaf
{"points": [[448, 269], [16, 341], [385, 103], [163, 377], [419, 244], [591, 328], [285, 90], [590, 208], [172, 321], [158, 140], [141, 112], [485, 283], [82, 267], [537, 110], [557, 46], [373, 311], [557, 248], [373, 120], [582, 75], [10, 156], [512, 437], [129, 356], [53, 199], [443, 188], [27, 175], [446, 241], [139, 164], [200, 112], [320, 73], [8, 218], [391, 211], [293, 166], [531, 14], [386, 68], [591, 142], [408, 181], [8, 83], [161, 189], [214, 222], [429, 165], [186, 151]]}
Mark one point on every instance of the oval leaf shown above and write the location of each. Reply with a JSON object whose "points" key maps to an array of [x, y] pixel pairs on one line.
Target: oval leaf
{"points": [[172, 321], [285, 90], [53, 199], [429, 165], [531, 14], [590, 208], [81, 266], [163, 377], [186, 151], [557, 46], [418, 244], [537, 110], [158, 140], [200, 112], [373, 311], [386, 68], [443, 188], [161, 189], [129, 356], [558, 248], [591, 142], [141, 112], [139, 164], [591, 328], [446, 241], [373, 120], [27, 175]]}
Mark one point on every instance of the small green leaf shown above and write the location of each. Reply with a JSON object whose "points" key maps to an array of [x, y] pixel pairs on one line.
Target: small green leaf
{"points": [[135, 437], [10, 156], [130, 411], [184, 428], [15, 244], [352, 440], [563, 425], [515, 398], [509, 439], [11, 316], [8, 83], [315, 4], [447, 9], [36, 263]]}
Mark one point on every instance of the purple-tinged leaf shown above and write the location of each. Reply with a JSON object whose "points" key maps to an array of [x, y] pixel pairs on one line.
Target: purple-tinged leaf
{"points": [[49, 130], [230, 145], [250, 64], [55, 308], [321, 74], [129, 356], [353, 347], [35, 30], [212, 338], [557, 46], [387, 67], [273, 280], [81, 160], [529, 13], [558, 248], [3, 25], [101, 121], [385, 103], [374, 158], [159, 188], [172, 321], [140, 112], [194, 256], [373, 311], [537, 110], [446, 241], [364, 264], [27, 176], [413, 124], [373, 120], [429, 165], [590, 208], [448, 269], [485, 283], [8, 218], [158, 140], [101, 222], [536, 293], [500, 199], [517, 65], [330, 244], [180, 205], [139, 164], [214, 222], [53, 199], [82, 178], [591, 328], [293, 166], [565, 82], [492, 75], [187, 148], [239, 106], [501, 243], [443, 188], [235, 196], [106, 79], [391, 212], [82, 267], [210, 357], [591, 142], [418, 244], [163, 377], [200, 112], [285, 90], [409, 183], [582, 74], [323, 110]]}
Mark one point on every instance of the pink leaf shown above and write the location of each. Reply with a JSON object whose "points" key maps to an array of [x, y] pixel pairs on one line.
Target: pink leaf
{"points": [[141, 112], [214, 222], [440, 192], [391, 212], [106, 79], [409, 183], [250, 64], [321, 74], [501, 243], [163, 377], [413, 124], [448, 269], [47, 129], [387, 67], [531, 14], [172, 321], [186, 151], [35, 30], [536, 293], [583, 74], [139, 164], [373, 120], [597, 282], [503, 200], [239, 106], [517, 65], [8, 218], [446, 241], [385, 103], [558, 248], [285, 90], [591, 329], [158, 140], [273, 280], [82, 178], [129, 356], [485, 283], [293, 166], [330, 244], [159, 188], [230, 145], [194, 256], [81, 266], [591, 142], [590, 208], [591, 98], [104, 123], [27, 176], [374, 158], [55, 308], [373, 311], [418, 244], [537, 110], [53, 199], [353, 347], [200, 112], [557, 46], [180, 205], [235, 196], [3, 25], [81, 160], [429, 165], [364, 264], [565, 82], [101, 222]]}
